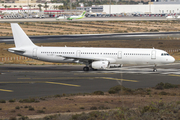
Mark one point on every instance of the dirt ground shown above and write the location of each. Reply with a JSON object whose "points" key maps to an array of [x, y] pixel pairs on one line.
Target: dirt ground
{"points": [[82, 103]]}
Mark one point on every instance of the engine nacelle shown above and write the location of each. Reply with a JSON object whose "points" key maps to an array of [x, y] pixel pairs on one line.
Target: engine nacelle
{"points": [[100, 64]]}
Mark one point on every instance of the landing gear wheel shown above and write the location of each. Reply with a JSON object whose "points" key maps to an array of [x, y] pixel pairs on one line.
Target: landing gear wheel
{"points": [[154, 69], [86, 69], [94, 69]]}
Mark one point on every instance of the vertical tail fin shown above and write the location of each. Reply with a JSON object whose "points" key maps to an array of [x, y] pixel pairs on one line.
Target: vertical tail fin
{"points": [[83, 14], [20, 37]]}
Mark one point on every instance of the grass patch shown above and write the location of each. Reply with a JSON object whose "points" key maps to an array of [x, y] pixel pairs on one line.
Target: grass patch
{"points": [[40, 111], [12, 100], [118, 88], [98, 93], [30, 100], [2, 101], [31, 108], [161, 86], [17, 107], [93, 108], [155, 111], [163, 93]]}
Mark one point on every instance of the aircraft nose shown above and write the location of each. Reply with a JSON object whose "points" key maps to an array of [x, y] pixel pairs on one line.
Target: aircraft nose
{"points": [[172, 59]]}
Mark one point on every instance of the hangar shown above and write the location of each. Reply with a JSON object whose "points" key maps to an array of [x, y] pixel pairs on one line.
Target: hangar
{"points": [[148, 8], [156, 7]]}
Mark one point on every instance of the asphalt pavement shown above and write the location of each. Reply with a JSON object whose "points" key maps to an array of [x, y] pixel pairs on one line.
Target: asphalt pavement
{"points": [[24, 81], [95, 37]]}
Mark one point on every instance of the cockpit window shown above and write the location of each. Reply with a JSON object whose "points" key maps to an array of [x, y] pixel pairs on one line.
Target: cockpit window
{"points": [[164, 54]]}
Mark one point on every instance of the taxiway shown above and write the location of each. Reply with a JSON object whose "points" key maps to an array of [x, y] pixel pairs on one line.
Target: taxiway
{"points": [[24, 81]]}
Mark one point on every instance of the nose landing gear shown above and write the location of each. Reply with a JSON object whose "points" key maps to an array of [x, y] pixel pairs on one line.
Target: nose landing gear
{"points": [[154, 69]]}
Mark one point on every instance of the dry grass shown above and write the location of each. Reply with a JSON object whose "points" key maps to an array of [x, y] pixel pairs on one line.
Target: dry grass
{"points": [[88, 27], [76, 103]]}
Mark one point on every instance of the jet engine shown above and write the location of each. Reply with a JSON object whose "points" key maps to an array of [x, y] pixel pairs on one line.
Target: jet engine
{"points": [[100, 64]]}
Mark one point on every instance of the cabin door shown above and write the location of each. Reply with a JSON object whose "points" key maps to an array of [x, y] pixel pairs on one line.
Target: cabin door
{"points": [[153, 54], [78, 53], [119, 56], [35, 52]]}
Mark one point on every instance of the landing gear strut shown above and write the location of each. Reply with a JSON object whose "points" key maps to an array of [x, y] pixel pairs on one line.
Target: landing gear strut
{"points": [[86, 68], [154, 69]]}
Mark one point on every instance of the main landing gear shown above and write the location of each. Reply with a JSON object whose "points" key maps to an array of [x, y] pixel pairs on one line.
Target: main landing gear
{"points": [[86, 68], [154, 69]]}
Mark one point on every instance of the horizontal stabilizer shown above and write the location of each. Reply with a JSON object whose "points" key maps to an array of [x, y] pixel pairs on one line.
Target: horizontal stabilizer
{"points": [[16, 50]]}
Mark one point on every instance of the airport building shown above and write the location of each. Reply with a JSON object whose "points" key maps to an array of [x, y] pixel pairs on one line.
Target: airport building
{"points": [[156, 7], [143, 9], [25, 6], [94, 9]]}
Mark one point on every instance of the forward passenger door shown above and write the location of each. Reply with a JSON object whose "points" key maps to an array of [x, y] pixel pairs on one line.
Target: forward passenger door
{"points": [[153, 54]]}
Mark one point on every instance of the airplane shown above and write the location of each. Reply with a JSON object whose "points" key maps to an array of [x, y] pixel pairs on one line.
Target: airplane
{"points": [[61, 18], [93, 58], [170, 17], [77, 17]]}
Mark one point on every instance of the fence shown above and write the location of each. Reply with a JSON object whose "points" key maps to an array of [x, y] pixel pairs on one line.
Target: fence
{"points": [[172, 51], [3, 59]]}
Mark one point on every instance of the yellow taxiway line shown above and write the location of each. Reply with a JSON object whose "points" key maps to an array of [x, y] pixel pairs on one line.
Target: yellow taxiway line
{"points": [[63, 84], [174, 75], [108, 78], [42, 82], [6, 90]]}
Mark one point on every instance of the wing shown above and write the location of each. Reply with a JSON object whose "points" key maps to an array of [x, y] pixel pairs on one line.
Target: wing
{"points": [[82, 59]]}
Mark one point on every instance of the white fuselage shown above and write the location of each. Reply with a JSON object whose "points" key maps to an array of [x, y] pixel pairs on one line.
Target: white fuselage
{"points": [[113, 55]]}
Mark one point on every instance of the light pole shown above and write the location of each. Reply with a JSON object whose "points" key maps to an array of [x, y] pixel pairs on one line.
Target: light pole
{"points": [[70, 7], [28, 9], [110, 7]]}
